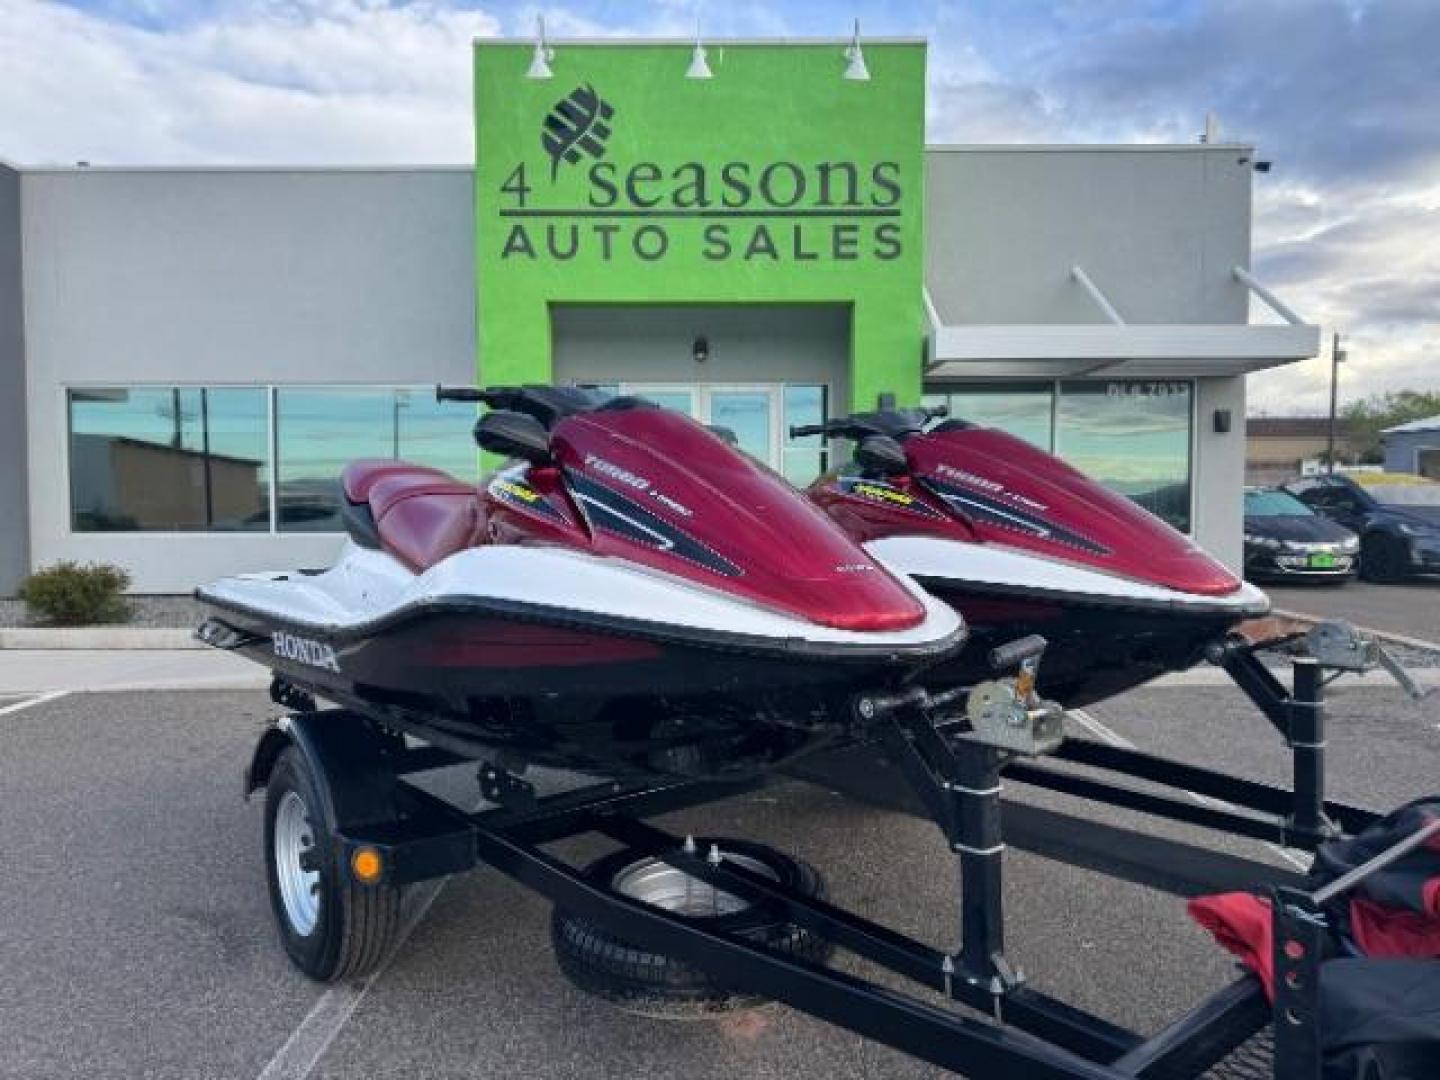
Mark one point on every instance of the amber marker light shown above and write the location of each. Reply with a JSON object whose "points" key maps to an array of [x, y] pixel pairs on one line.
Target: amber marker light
{"points": [[366, 865]]}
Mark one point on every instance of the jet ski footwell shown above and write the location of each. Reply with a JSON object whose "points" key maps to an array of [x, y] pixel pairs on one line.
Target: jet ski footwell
{"points": [[378, 831]]}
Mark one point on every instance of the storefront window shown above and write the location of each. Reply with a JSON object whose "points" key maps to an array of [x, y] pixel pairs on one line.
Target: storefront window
{"points": [[1025, 410], [169, 459], [318, 431], [1133, 436]]}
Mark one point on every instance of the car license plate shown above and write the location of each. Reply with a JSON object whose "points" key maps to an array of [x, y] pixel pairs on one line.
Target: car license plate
{"points": [[1323, 561]]}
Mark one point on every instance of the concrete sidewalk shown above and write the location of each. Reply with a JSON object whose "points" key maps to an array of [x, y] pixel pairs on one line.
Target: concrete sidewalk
{"points": [[38, 671]]}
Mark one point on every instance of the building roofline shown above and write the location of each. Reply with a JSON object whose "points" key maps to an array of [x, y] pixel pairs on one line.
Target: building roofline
{"points": [[688, 42], [930, 148], [458, 167], [1083, 148]]}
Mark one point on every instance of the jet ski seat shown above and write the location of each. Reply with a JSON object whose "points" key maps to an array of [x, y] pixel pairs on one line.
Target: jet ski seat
{"points": [[420, 515]]}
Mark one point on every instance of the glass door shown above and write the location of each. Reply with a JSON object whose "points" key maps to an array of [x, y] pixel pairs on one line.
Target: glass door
{"points": [[679, 398], [757, 413], [751, 413]]}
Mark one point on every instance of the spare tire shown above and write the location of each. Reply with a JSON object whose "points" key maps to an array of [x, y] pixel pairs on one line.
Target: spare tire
{"points": [[652, 984]]}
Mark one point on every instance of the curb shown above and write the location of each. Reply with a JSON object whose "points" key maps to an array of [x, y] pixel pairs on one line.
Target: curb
{"points": [[105, 638], [1383, 635]]}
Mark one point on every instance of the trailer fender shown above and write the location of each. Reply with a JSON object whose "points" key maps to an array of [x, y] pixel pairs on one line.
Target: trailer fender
{"points": [[348, 757]]}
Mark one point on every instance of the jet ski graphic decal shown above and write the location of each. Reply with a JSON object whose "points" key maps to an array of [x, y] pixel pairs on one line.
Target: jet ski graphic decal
{"points": [[613, 512], [993, 511], [885, 494], [520, 494]]}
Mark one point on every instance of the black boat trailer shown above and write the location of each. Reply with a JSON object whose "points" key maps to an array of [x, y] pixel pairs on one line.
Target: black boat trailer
{"points": [[1008, 1027]]}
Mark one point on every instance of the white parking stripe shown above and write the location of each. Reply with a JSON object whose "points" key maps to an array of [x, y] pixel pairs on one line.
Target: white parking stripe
{"points": [[307, 1044], [302, 1051], [1114, 738], [39, 699]]}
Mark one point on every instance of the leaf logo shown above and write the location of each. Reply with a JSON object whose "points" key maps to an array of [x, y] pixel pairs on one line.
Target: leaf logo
{"points": [[579, 123]]}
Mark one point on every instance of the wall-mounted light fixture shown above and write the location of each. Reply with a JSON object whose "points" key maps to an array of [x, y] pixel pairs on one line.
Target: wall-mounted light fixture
{"points": [[700, 349], [699, 64], [855, 68], [540, 62]]}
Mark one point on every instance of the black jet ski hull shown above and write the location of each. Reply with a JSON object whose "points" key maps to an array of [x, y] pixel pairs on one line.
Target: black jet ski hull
{"points": [[583, 694]]}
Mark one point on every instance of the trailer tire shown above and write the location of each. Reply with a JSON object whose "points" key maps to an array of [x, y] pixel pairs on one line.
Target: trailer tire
{"points": [[649, 983], [345, 929]]}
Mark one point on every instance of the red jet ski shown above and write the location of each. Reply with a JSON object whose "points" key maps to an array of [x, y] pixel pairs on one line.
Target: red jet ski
{"points": [[631, 595], [1021, 543]]}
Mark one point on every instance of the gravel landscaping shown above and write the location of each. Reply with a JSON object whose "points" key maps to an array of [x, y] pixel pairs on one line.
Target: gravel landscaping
{"points": [[148, 611]]}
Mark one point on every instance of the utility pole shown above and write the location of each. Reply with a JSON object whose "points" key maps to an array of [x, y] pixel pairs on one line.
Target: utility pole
{"points": [[1337, 357]]}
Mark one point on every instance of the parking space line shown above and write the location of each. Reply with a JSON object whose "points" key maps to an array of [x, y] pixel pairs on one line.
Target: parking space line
{"points": [[38, 699], [307, 1044], [1114, 738]]}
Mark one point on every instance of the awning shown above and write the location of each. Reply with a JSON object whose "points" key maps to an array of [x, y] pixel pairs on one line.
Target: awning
{"points": [[1118, 348]]}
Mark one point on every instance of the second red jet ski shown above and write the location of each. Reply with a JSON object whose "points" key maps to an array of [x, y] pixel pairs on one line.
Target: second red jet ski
{"points": [[1021, 543]]}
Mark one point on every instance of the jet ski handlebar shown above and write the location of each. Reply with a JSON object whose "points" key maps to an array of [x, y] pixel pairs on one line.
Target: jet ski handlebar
{"points": [[858, 426], [547, 404]]}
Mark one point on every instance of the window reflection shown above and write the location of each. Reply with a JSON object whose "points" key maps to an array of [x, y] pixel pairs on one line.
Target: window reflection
{"points": [[1024, 410], [321, 430], [1134, 437], [169, 459]]}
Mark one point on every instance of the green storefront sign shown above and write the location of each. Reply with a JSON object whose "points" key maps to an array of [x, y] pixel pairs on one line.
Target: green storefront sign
{"points": [[620, 181]]}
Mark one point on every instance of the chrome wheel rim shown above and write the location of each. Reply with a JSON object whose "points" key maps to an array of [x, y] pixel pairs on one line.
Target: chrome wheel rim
{"points": [[657, 883], [294, 850]]}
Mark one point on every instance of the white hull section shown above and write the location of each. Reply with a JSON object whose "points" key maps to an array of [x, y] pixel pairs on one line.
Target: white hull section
{"points": [[365, 586], [993, 569]]}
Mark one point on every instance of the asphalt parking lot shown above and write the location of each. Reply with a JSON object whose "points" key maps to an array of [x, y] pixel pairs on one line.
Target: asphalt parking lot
{"points": [[135, 934], [1411, 608]]}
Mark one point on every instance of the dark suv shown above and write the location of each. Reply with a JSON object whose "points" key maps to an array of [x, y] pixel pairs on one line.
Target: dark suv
{"points": [[1396, 515]]}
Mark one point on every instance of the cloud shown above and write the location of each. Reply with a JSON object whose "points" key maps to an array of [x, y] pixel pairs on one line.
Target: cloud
{"points": [[255, 83], [1340, 94]]}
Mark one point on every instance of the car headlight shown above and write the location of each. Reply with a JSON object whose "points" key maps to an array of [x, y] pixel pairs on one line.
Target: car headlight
{"points": [[1350, 546], [1423, 531], [1265, 542]]}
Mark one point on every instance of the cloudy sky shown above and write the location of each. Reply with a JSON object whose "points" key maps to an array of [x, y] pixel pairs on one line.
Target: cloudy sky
{"points": [[1342, 95]]}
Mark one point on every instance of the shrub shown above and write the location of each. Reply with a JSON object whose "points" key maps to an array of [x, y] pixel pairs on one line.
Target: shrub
{"points": [[69, 594]]}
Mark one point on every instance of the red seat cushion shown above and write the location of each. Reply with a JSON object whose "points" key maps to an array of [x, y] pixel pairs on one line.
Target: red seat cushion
{"points": [[422, 515], [361, 476]]}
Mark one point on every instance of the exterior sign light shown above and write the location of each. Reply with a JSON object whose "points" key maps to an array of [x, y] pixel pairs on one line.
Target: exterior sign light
{"points": [[699, 65], [855, 68], [540, 60]]}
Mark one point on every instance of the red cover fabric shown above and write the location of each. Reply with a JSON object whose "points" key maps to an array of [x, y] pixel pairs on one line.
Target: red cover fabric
{"points": [[1381, 931], [1240, 922]]}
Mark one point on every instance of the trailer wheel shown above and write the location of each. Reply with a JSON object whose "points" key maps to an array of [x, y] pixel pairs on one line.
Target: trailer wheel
{"points": [[332, 927], [643, 981]]}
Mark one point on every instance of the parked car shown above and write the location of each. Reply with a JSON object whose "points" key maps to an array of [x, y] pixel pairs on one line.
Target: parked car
{"points": [[1284, 538], [1396, 514]]}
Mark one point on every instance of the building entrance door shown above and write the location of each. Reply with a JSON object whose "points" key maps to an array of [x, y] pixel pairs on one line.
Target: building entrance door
{"points": [[753, 413], [759, 414]]}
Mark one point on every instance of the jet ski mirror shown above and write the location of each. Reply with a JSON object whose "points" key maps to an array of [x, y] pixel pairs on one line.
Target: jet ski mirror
{"points": [[880, 455], [513, 434]]}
